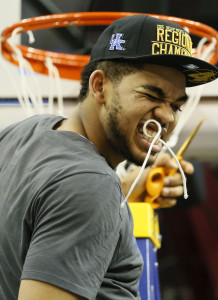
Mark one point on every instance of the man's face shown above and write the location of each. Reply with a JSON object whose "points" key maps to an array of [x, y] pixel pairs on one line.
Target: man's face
{"points": [[157, 93]]}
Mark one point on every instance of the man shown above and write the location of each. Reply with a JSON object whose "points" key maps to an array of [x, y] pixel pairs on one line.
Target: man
{"points": [[63, 232]]}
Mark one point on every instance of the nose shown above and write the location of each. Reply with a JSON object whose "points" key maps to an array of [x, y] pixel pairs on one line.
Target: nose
{"points": [[164, 113]]}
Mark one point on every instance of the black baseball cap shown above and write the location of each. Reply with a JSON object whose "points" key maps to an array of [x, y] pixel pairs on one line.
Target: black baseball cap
{"points": [[147, 39]]}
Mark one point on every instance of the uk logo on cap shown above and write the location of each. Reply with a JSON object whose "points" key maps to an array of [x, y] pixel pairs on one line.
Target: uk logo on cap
{"points": [[116, 42]]}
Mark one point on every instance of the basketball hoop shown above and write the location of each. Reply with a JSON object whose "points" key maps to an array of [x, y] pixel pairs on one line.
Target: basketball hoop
{"points": [[70, 66]]}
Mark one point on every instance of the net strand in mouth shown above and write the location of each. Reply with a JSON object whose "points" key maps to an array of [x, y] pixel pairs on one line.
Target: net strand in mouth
{"points": [[147, 156]]}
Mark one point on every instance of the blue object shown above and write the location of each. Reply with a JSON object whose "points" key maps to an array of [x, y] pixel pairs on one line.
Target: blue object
{"points": [[149, 287]]}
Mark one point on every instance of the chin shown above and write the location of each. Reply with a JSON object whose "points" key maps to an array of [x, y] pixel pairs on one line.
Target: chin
{"points": [[139, 161], [151, 160], [137, 157]]}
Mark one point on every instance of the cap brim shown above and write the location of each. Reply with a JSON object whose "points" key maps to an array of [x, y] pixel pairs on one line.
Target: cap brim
{"points": [[197, 71]]}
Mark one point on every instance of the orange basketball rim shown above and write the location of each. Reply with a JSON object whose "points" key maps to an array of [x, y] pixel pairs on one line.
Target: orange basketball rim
{"points": [[71, 65]]}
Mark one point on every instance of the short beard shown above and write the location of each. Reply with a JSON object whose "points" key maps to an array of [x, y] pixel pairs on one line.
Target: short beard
{"points": [[116, 138]]}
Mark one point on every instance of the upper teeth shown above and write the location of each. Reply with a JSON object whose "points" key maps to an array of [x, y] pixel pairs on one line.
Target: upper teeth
{"points": [[150, 134]]}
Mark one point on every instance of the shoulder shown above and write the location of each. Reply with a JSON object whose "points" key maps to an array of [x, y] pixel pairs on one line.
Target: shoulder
{"points": [[26, 127], [84, 188]]}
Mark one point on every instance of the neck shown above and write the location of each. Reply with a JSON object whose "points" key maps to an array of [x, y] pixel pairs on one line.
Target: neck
{"points": [[73, 123], [86, 123]]}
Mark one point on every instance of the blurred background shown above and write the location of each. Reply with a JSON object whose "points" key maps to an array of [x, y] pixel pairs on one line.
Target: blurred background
{"points": [[188, 259]]}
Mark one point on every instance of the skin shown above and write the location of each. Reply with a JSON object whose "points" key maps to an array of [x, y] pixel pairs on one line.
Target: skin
{"points": [[172, 185], [130, 103], [36, 290], [111, 117]]}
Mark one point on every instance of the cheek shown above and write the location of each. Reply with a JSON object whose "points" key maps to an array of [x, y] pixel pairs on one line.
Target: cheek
{"points": [[130, 120], [176, 120], [172, 125]]}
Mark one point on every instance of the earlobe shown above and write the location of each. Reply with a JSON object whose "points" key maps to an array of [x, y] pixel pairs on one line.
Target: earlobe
{"points": [[96, 85]]}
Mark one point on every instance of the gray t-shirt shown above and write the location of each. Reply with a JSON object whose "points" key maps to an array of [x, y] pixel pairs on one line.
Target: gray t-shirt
{"points": [[60, 216]]}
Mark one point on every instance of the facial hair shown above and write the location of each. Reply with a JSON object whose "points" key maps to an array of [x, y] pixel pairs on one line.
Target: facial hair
{"points": [[115, 136]]}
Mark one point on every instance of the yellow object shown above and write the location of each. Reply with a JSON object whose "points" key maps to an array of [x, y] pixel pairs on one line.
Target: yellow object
{"points": [[146, 223], [155, 179]]}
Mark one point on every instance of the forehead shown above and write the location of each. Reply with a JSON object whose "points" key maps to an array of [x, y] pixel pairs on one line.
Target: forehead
{"points": [[170, 80]]}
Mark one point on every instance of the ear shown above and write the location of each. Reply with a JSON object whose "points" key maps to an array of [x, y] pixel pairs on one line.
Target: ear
{"points": [[97, 83]]}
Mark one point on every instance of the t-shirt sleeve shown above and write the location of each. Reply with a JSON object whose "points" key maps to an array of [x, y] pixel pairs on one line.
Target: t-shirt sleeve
{"points": [[76, 229]]}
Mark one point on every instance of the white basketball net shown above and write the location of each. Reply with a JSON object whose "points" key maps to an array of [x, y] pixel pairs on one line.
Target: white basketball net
{"points": [[30, 98]]}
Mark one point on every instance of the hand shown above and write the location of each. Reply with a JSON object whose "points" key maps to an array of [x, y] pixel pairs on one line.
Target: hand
{"points": [[173, 187]]}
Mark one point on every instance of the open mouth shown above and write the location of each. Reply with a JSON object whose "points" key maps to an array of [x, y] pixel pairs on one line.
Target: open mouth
{"points": [[151, 129]]}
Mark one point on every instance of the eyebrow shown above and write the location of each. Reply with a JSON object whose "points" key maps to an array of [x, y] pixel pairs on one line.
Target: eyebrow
{"points": [[161, 93]]}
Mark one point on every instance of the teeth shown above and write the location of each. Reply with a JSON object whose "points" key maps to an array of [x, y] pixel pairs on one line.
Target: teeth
{"points": [[150, 132], [151, 139]]}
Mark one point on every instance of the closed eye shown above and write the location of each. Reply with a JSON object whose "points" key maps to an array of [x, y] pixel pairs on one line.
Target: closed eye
{"points": [[151, 97], [176, 107]]}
